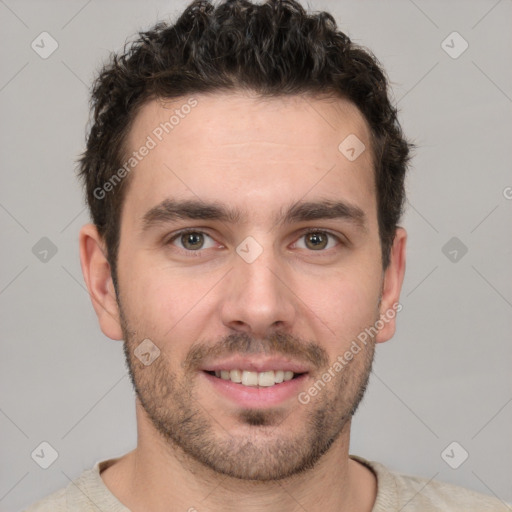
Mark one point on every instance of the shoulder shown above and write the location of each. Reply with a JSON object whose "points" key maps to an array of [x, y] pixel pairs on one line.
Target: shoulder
{"points": [[55, 502], [87, 492], [397, 491], [422, 494]]}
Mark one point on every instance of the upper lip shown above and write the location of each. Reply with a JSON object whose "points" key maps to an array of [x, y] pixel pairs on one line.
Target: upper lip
{"points": [[254, 364]]}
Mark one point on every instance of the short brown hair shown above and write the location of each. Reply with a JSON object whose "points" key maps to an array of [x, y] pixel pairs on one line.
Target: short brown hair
{"points": [[274, 49]]}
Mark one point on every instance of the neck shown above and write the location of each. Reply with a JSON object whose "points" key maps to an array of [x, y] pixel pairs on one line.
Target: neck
{"points": [[161, 478]]}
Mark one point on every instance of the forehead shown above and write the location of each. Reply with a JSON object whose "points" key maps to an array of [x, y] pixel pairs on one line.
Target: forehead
{"points": [[248, 151]]}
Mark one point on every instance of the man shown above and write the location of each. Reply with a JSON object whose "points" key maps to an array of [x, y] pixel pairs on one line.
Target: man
{"points": [[245, 175]]}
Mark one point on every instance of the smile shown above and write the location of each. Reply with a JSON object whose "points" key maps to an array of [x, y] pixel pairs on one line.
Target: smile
{"points": [[255, 379]]}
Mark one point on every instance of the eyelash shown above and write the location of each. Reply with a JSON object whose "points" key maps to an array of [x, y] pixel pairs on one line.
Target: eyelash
{"points": [[199, 251]]}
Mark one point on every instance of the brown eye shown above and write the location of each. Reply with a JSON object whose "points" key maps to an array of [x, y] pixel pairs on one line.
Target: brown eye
{"points": [[316, 240], [192, 241]]}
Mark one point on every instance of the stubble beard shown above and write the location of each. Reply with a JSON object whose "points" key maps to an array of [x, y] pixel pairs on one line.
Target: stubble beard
{"points": [[265, 450]]}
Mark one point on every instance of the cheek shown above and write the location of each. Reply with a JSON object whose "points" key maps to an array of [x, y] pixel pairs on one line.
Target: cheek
{"points": [[345, 303], [163, 303]]}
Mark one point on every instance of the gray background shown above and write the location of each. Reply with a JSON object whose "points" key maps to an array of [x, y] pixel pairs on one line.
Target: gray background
{"points": [[444, 377]]}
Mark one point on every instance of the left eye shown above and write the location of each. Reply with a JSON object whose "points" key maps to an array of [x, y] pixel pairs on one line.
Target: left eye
{"points": [[318, 240]]}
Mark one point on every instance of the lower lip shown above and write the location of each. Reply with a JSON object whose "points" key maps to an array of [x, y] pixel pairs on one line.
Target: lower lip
{"points": [[251, 397]]}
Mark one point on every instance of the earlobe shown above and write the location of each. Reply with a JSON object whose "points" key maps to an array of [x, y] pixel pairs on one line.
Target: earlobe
{"points": [[392, 285], [98, 278]]}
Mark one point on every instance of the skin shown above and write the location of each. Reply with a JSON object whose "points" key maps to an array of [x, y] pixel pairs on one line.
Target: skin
{"points": [[294, 300]]}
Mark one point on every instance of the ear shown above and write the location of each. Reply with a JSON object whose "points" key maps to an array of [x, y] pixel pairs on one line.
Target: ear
{"points": [[98, 278], [391, 287]]}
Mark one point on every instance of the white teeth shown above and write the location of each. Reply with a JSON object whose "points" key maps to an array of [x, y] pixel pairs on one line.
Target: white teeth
{"points": [[288, 375], [248, 378], [236, 375], [266, 379]]}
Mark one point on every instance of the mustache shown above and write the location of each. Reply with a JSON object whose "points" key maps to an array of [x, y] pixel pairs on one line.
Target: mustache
{"points": [[277, 344]]}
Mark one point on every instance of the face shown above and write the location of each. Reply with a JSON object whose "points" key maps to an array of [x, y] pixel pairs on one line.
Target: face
{"points": [[276, 274]]}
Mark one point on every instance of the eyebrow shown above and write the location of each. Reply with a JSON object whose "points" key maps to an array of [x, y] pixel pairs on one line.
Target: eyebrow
{"points": [[171, 210]]}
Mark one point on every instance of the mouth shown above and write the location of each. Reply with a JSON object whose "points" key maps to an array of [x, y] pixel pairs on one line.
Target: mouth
{"points": [[260, 385], [250, 381], [265, 379]]}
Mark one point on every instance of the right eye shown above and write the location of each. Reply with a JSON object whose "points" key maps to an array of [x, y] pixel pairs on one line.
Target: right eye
{"points": [[191, 240]]}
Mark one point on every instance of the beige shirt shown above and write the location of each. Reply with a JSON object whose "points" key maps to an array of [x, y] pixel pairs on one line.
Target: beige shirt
{"points": [[395, 493]]}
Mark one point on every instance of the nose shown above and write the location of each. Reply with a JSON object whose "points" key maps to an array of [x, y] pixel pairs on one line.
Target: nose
{"points": [[258, 296]]}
